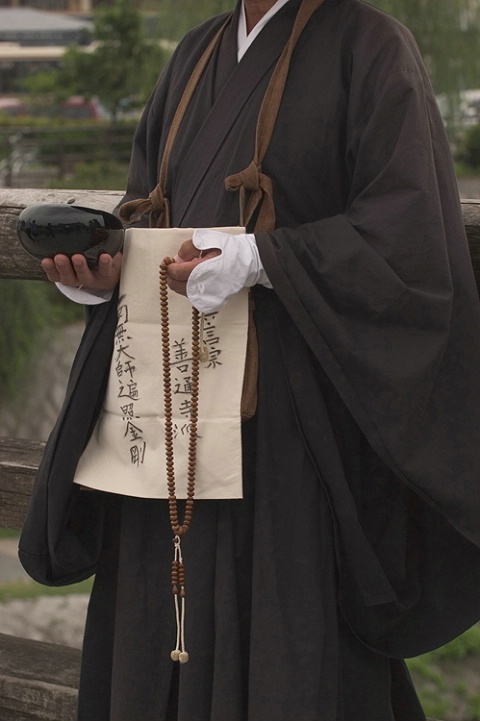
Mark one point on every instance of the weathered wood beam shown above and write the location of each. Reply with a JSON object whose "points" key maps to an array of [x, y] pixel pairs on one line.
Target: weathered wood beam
{"points": [[19, 460], [471, 218], [38, 681], [15, 263]]}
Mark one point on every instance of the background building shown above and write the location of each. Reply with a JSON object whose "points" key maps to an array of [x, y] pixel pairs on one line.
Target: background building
{"points": [[33, 40], [28, 26], [83, 7]]}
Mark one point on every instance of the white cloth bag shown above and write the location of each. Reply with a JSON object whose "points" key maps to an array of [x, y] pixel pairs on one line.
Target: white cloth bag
{"points": [[126, 453]]}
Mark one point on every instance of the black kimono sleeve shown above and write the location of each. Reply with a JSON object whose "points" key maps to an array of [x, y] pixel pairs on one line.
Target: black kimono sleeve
{"points": [[385, 296]]}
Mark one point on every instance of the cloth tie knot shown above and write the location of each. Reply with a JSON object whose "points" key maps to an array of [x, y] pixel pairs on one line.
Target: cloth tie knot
{"points": [[157, 205], [255, 192]]}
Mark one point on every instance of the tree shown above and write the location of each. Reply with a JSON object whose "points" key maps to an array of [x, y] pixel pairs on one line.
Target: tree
{"points": [[176, 17], [120, 70], [448, 34], [124, 65]]}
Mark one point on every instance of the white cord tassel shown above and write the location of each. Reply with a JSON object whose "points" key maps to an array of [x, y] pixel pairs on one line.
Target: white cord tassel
{"points": [[178, 589]]}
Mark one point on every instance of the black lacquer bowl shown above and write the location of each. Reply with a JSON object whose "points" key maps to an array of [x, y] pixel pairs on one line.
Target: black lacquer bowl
{"points": [[52, 228]]}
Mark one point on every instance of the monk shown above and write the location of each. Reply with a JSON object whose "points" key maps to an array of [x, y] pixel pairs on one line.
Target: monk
{"points": [[357, 541]]}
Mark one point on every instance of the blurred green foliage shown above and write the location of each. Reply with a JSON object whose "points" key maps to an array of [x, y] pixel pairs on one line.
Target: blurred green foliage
{"points": [[448, 34], [96, 175], [30, 589], [27, 310], [120, 71], [469, 152], [173, 18], [448, 679]]}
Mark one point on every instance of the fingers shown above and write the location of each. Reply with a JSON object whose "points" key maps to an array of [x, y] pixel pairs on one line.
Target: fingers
{"points": [[60, 270], [188, 251], [177, 286], [75, 272], [50, 270], [179, 272], [108, 273]]}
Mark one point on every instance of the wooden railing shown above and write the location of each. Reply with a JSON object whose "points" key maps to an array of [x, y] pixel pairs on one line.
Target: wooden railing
{"points": [[38, 155], [38, 681]]}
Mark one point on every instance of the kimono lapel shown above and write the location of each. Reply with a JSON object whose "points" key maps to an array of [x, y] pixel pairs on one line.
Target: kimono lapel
{"points": [[257, 63], [225, 59]]}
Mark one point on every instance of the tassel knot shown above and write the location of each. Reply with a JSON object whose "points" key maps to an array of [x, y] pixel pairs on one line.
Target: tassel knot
{"points": [[179, 653]]}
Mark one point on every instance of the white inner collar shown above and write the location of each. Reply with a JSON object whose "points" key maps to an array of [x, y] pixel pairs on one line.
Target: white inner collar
{"points": [[243, 40]]}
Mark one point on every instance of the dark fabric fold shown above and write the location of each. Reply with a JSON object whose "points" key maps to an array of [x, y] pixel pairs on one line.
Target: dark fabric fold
{"points": [[62, 535]]}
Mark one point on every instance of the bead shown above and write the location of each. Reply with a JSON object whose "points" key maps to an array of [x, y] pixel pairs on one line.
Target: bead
{"points": [[198, 354]]}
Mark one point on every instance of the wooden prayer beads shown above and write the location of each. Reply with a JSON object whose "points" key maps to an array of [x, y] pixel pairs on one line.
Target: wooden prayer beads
{"points": [[179, 530]]}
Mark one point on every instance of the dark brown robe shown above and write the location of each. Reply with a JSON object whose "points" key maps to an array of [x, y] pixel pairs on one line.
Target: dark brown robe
{"points": [[357, 542]]}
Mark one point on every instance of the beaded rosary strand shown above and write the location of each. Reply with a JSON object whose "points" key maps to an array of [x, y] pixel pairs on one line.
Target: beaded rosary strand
{"points": [[178, 569]]}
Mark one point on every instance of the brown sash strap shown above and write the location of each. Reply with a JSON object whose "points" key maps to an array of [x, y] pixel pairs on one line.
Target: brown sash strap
{"points": [[157, 204], [255, 187]]}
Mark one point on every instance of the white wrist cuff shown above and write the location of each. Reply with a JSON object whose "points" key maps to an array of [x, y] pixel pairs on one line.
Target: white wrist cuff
{"points": [[84, 296], [238, 266]]}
